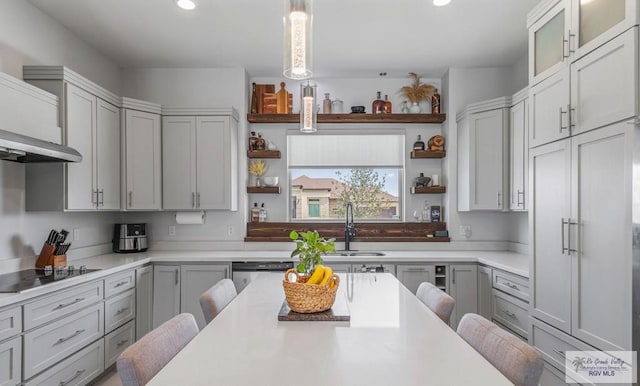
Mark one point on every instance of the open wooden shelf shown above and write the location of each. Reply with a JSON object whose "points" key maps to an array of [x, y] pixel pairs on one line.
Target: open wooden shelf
{"points": [[263, 189], [428, 189], [350, 118], [263, 153], [428, 154]]}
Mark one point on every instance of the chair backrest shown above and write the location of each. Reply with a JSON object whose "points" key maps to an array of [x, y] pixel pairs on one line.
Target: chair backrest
{"points": [[216, 298], [437, 300], [142, 360], [515, 359]]}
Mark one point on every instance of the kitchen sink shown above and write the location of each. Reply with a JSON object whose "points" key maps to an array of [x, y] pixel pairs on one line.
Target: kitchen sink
{"points": [[355, 253]]}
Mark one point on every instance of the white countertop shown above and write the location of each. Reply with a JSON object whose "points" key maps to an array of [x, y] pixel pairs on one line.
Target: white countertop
{"points": [[111, 263], [392, 339]]}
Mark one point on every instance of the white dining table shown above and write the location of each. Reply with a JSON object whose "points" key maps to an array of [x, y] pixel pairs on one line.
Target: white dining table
{"points": [[391, 339]]}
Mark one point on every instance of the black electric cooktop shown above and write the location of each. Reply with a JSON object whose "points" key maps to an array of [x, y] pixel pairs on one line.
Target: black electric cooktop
{"points": [[31, 278]]}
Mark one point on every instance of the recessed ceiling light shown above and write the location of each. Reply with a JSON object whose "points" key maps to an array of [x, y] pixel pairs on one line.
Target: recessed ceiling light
{"points": [[186, 4], [440, 3]]}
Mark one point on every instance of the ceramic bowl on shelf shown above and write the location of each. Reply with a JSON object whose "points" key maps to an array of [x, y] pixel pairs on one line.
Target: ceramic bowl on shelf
{"points": [[357, 109], [270, 181]]}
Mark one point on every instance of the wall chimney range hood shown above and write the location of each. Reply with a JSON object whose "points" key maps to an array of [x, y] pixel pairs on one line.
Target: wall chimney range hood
{"points": [[20, 148]]}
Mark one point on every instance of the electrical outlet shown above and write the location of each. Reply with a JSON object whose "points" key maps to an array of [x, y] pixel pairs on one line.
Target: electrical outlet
{"points": [[230, 230], [76, 234], [172, 230]]}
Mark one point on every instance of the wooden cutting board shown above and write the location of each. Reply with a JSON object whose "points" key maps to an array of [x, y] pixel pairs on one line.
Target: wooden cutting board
{"points": [[339, 312]]}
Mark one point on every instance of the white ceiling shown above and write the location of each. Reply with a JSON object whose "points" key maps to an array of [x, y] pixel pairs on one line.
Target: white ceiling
{"points": [[352, 38]]}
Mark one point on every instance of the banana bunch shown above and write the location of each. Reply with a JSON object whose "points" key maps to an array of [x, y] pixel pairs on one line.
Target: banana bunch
{"points": [[321, 276], [257, 168]]}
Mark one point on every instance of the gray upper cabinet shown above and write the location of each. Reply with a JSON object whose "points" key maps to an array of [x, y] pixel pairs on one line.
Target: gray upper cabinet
{"points": [[483, 174], [519, 131], [199, 163], [90, 121], [142, 156]]}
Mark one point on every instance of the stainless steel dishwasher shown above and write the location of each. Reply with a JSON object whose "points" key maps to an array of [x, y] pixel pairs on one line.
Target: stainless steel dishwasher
{"points": [[244, 272]]}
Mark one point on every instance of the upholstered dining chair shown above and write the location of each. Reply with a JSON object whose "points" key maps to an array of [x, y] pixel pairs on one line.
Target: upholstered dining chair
{"points": [[436, 300], [216, 298], [515, 359], [142, 360]]}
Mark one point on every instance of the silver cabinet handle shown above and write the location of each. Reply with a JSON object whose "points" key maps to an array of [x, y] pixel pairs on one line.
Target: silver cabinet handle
{"points": [[559, 352], [94, 197], [62, 340], [120, 284], [119, 344], [572, 43], [416, 269], [510, 314], [122, 310], [569, 223], [130, 198], [572, 116], [562, 127], [61, 306], [499, 199], [76, 375], [453, 275], [562, 224], [101, 197], [565, 53], [512, 286], [177, 276], [198, 200], [193, 199], [520, 193]]}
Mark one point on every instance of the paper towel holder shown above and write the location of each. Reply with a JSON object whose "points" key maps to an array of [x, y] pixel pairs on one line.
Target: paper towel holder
{"points": [[191, 218]]}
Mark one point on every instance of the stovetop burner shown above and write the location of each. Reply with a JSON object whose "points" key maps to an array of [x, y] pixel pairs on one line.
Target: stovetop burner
{"points": [[31, 278]]}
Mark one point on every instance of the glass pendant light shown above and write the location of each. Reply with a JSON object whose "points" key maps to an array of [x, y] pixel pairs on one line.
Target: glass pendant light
{"points": [[308, 109], [298, 20]]}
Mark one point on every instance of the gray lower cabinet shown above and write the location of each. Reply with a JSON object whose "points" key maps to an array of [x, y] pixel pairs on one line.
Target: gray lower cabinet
{"points": [[485, 293], [11, 362], [511, 312], [10, 322], [49, 344], [78, 369], [117, 341], [412, 275], [119, 309], [166, 293], [144, 301], [177, 288], [463, 286]]}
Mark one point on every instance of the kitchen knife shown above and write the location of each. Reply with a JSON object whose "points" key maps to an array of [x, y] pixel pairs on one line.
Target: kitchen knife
{"points": [[64, 234]]}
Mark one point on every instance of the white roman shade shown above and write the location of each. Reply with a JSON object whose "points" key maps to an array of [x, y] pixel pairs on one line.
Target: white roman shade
{"points": [[368, 150]]}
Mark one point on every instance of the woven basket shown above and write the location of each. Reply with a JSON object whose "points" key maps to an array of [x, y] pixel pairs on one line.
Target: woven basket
{"points": [[309, 298]]}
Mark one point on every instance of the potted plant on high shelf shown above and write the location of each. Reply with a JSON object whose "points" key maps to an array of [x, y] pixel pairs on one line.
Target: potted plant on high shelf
{"points": [[311, 287], [417, 92]]}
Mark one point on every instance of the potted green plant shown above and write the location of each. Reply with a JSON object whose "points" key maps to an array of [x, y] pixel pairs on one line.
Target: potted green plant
{"points": [[309, 248]]}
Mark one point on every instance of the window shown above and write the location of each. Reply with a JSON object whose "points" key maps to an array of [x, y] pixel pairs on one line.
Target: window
{"points": [[328, 171]]}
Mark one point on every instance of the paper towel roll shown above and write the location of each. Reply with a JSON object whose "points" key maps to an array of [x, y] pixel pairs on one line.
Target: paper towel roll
{"points": [[190, 217]]}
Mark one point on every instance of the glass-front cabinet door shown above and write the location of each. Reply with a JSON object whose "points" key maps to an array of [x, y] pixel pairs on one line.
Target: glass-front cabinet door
{"points": [[549, 42], [595, 22]]}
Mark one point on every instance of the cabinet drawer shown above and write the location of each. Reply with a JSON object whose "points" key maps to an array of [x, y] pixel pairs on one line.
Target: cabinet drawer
{"points": [[51, 343], [552, 343], [11, 362], [78, 369], [515, 285], [118, 283], [61, 304], [510, 312], [119, 309], [117, 341], [10, 323]]}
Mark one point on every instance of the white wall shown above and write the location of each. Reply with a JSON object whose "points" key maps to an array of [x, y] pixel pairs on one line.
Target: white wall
{"points": [[217, 87], [27, 36]]}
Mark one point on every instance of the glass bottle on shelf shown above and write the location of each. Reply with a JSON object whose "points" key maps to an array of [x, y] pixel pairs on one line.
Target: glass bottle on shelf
{"points": [[255, 213], [426, 211], [419, 144], [262, 214], [377, 107], [326, 104], [252, 141], [388, 106], [435, 103], [405, 108], [260, 143]]}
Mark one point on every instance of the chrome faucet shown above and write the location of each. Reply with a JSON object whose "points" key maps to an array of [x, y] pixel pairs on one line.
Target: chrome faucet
{"points": [[349, 227]]}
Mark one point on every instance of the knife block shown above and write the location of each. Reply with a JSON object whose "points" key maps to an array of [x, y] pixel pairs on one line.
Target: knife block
{"points": [[47, 257]]}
